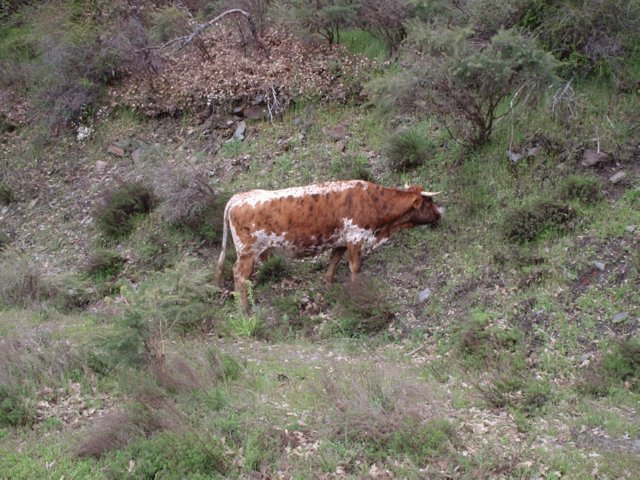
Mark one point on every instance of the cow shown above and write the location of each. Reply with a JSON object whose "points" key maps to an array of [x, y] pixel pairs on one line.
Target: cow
{"points": [[350, 216]]}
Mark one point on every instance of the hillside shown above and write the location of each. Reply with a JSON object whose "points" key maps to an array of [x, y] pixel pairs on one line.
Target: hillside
{"points": [[502, 344]]}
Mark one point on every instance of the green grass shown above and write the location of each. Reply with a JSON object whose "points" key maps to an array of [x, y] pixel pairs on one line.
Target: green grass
{"points": [[363, 43]]}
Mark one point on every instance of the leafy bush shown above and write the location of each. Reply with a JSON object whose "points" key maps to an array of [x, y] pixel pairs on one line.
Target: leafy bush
{"points": [[529, 221], [592, 37], [177, 301], [582, 188], [408, 148], [115, 217], [463, 80], [104, 264]]}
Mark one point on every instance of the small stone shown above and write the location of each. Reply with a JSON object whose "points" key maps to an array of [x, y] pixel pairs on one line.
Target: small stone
{"points": [[33, 203], [533, 151], [599, 265], [101, 167], [136, 155], [513, 156], [631, 228], [593, 157], [620, 317], [339, 132], [255, 112], [341, 145], [617, 177], [115, 150], [239, 133], [424, 295]]}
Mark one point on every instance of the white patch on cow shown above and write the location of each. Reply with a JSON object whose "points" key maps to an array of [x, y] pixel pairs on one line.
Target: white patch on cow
{"points": [[264, 241], [236, 240], [355, 234], [255, 197], [440, 210]]}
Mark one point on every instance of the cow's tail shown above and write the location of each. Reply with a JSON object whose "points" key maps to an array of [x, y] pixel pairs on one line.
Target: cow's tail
{"points": [[223, 250]]}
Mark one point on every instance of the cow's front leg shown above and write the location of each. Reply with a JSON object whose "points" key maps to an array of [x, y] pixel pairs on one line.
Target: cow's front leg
{"points": [[242, 271], [354, 251], [336, 256]]}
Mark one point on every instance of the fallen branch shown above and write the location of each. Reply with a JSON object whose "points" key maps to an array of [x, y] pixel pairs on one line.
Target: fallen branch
{"points": [[187, 39]]}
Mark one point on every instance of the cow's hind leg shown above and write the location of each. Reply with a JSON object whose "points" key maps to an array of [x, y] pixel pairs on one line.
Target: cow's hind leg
{"points": [[336, 256], [242, 271], [354, 251]]}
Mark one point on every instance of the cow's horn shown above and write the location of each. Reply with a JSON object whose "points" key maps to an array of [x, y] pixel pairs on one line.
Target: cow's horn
{"points": [[429, 194]]}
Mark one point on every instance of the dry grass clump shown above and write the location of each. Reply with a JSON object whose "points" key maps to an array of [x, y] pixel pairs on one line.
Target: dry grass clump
{"points": [[362, 308], [23, 282], [386, 413], [149, 412], [528, 222], [187, 195]]}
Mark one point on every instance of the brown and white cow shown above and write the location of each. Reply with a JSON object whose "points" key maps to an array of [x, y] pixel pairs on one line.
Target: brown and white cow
{"points": [[352, 216]]}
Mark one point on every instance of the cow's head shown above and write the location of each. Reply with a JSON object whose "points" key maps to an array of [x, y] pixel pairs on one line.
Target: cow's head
{"points": [[425, 210]]}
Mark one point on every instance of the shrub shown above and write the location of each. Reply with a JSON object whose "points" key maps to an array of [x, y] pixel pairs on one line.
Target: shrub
{"points": [[273, 269], [463, 80], [385, 19], [22, 280], [104, 264], [592, 37], [13, 410], [354, 167], [6, 194], [619, 366], [528, 222], [326, 18], [115, 217], [361, 308], [408, 148], [582, 188]]}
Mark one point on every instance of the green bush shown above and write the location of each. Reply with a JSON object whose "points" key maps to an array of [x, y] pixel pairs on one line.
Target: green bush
{"points": [[326, 18], [13, 411], [465, 82], [582, 188], [119, 208], [529, 221], [408, 148], [273, 269], [104, 264]]}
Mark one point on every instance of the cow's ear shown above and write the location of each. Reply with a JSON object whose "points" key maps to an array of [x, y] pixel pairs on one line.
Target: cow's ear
{"points": [[417, 202]]}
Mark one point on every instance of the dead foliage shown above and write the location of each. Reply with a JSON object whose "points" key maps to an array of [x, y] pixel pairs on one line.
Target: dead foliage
{"points": [[294, 69], [528, 222], [362, 308]]}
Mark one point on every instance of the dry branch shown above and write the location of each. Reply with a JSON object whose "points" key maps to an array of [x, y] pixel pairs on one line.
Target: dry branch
{"points": [[187, 39]]}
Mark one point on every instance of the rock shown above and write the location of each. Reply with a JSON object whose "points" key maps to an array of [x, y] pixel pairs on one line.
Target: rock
{"points": [[33, 203], [137, 155], [620, 317], [617, 177], [255, 112], [341, 145], [513, 156], [115, 150], [239, 133], [424, 295], [101, 167], [533, 151], [631, 228], [339, 132], [593, 157], [599, 265]]}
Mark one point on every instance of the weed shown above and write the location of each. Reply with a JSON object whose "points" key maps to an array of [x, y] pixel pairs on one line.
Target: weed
{"points": [[585, 189], [408, 148], [120, 205], [222, 366], [530, 221]]}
